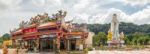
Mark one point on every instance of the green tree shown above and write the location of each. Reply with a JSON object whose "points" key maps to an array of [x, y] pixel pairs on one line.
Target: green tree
{"points": [[139, 38], [6, 36], [100, 39], [1, 41]]}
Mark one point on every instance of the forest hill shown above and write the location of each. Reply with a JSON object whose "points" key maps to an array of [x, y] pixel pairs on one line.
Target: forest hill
{"points": [[127, 28]]}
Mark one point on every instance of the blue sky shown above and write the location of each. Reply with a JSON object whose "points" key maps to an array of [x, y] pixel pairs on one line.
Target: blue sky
{"points": [[82, 11]]}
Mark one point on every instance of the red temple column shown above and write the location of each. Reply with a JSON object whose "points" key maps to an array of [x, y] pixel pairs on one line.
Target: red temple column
{"points": [[83, 39], [14, 43], [58, 43]]}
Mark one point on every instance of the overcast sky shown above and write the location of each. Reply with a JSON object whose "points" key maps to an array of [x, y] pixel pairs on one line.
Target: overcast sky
{"points": [[83, 11]]}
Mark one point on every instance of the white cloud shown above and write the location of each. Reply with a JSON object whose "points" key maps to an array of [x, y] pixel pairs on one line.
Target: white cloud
{"points": [[80, 6], [39, 2], [84, 17], [44, 3], [10, 2], [140, 17], [54, 2], [137, 2]]}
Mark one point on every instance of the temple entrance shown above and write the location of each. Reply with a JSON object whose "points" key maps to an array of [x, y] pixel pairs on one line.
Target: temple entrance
{"points": [[62, 45], [31, 45], [73, 44], [46, 44]]}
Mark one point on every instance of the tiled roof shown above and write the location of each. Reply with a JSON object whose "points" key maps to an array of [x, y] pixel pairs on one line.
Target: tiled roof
{"points": [[46, 25]]}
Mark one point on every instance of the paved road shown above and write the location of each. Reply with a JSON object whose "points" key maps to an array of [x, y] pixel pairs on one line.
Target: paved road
{"points": [[119, 52], [102, 52], [41, 53], [1, 52]]}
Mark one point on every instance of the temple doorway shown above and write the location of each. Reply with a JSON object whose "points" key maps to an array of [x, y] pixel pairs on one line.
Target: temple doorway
{"points": [[46, 44], [62, 45], [31, 44], [73, 44]]}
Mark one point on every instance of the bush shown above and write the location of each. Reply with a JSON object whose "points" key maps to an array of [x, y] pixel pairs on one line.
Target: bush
{"points": [[90, 49]]}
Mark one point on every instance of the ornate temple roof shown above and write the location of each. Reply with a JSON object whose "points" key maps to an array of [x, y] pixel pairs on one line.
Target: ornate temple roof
{"points": [[47, 25], [44, 21], [17, 32], [30, 26]]}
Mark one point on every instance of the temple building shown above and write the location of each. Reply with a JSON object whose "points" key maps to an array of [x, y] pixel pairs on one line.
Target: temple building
{"points": [[45, 33]]}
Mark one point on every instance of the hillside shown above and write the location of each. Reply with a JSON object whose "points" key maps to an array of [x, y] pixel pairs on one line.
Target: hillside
{"points": [[127, 28]]}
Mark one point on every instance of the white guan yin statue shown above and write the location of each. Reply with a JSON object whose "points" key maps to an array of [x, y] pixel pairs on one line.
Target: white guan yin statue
{"points": [[115, 39], [115, 28]]}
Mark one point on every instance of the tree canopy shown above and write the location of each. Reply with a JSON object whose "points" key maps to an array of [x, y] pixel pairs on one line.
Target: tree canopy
{"points": [[127, 28]]}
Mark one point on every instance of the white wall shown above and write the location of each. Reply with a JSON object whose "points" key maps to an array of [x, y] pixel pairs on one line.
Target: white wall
{"points": [[89, 39]]}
